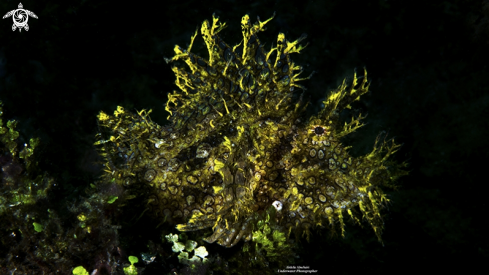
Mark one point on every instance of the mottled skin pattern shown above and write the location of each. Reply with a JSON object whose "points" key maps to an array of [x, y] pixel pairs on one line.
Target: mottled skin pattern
{"points": [[238, 143]]}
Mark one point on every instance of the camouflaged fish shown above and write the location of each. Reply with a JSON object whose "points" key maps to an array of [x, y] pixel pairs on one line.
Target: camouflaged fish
{"points": [[238, 144]]}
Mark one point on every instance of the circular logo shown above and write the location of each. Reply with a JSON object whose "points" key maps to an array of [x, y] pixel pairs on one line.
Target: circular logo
{"points": [[20, 17]]}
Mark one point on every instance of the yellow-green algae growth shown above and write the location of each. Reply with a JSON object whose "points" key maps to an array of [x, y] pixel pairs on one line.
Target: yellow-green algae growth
{"points": [[238, 144]]}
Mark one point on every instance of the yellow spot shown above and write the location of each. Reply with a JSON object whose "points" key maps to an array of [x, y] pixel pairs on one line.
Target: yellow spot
{"points": [[173, 190], [322, 198], [82, 217], [218, 165], [217, 189], [320, 154], [103, 116], [119, 111]]}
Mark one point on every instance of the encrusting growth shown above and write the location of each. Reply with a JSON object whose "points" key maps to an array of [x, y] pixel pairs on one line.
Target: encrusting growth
{"points": [[238, 144]]}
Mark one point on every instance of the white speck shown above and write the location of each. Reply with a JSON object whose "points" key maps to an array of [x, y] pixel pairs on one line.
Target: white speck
{"points": [[277, 205], [159, 143]]}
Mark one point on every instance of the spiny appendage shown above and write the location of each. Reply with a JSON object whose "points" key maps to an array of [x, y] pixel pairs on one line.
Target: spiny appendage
{"points": [[242, 78]]}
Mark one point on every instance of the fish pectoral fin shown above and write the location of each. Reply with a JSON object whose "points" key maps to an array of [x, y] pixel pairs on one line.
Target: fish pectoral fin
{"points": [[194, 225]]}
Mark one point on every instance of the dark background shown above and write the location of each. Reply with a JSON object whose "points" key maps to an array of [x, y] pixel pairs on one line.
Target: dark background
{"points": [[427, 61]]}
